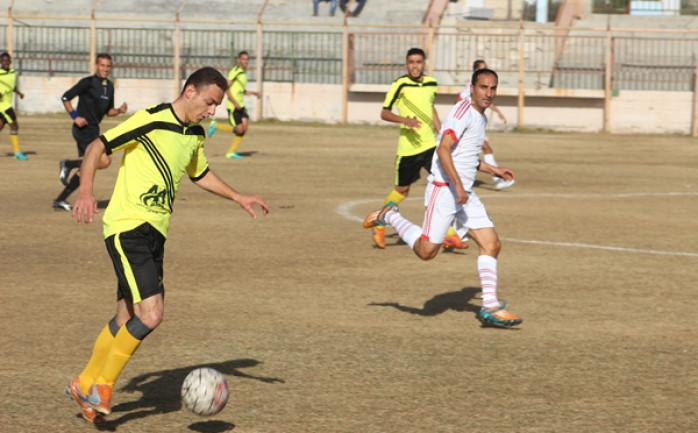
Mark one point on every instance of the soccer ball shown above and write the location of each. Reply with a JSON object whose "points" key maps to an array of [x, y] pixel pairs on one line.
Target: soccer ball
{"points": [[205, 391]]}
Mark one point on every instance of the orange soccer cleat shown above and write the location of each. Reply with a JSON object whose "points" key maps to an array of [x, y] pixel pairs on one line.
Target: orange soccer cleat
{"points": [[90, 415]]}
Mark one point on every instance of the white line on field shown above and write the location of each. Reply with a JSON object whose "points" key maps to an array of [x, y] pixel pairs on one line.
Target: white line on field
{"points": [[345, 210]]}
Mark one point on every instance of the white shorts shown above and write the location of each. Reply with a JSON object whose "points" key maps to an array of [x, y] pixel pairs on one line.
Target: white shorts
{"points": [[442, 210]]}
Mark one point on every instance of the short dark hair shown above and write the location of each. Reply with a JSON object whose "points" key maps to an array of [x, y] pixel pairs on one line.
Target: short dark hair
{"points": [[102, 56], [6, 54], [242, 53], [204, 77], [479, 72], [477, 63], [417, 51]]}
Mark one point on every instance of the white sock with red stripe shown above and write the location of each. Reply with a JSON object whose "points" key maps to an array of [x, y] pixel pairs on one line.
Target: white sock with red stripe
{"points": [[487, 268], [408, 231]]}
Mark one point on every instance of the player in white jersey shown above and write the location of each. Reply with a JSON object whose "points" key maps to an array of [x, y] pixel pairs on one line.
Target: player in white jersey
{"points": [[449, 196], [487, 152]]}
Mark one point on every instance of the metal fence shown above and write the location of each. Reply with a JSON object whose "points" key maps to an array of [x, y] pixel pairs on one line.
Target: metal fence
{"points": [[548, 58], [647, 7]]}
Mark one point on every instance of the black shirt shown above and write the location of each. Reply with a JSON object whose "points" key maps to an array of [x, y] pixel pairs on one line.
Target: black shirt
{"points": [[96, 98]]}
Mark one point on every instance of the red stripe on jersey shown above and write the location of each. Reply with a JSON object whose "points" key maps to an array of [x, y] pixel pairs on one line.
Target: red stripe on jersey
{"points": [[462, 109], [452, 133], [437, 183]]}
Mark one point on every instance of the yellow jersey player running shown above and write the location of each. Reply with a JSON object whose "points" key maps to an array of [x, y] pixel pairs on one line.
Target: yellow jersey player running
{"points": [[414, 95], [237, 113], [8, 85], [161, 144]]}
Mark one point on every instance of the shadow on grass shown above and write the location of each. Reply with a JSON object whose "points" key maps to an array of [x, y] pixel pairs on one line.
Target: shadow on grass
{"points": [[160, 393], [457, 301]]}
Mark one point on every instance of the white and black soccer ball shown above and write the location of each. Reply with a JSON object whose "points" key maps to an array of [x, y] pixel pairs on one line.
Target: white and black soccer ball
{"points": [[205, 391]]}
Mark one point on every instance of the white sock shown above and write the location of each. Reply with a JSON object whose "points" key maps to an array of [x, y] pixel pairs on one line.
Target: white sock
{"points": [[489, 158], [408, 231], [487, 268]]}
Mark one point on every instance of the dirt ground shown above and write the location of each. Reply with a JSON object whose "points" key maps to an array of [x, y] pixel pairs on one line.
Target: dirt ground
{"points": [[318, 331]]}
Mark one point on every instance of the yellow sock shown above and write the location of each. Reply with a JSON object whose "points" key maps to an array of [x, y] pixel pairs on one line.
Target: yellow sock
{"points": [[96, 363], [395, 197], [14, 139], [224, 127], [450, 232], [122, 349], [234, 145]]}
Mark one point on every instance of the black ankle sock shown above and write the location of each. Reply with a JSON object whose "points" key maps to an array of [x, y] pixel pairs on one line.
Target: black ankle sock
{"points": [[73, 184]]}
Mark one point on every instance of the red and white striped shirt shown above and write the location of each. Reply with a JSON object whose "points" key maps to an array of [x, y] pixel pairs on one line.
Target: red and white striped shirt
{"points": [[467, 128]]}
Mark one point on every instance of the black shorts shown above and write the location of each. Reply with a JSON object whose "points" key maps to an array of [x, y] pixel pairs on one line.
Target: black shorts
{"points": [[137, 256], [407, 168], [8, 116], [235, 116], [84, 136]]}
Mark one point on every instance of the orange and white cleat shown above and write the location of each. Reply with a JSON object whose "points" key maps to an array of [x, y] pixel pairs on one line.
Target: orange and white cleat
{"points": [[99, 398], [90, 415]]}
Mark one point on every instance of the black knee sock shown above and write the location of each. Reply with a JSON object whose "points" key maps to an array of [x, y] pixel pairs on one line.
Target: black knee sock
{"points": [[73, 184], [73, 163]]}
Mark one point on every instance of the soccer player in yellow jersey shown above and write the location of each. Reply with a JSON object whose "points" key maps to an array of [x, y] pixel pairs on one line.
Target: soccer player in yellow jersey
{"points": [[414, 95], [8, 85], [161, 145], [237, 113]]}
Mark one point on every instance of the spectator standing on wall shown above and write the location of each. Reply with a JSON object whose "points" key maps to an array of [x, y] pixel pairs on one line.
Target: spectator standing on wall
{"points": [[316, 4], [344, 5]]}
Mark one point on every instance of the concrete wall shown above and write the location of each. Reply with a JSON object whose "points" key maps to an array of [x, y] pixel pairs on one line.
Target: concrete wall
{"points": [[631, 111]]}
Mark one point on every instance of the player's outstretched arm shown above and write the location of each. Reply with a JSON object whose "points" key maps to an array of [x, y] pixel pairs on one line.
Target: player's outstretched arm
{"points": [[85, 204], [214, 184], [502, 172]]}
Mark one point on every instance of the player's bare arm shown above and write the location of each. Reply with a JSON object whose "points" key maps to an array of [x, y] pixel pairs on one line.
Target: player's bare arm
{"points": [[85, 204], [502, 172], [214, 184], [444, 151], [116, 111], [389, 116]]}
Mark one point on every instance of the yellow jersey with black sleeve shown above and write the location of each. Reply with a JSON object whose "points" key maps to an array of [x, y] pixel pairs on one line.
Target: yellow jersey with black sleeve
{"points": [[8, 83], [414, 99], [238, 79], [158, 151]]}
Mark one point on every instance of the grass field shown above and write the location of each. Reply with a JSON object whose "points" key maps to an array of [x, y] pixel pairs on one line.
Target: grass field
{"points": [[318, 331]]}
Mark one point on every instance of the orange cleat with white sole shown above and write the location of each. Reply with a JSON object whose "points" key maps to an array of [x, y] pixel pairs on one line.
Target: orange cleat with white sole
{"points": [[90, 415], [99, 398]]}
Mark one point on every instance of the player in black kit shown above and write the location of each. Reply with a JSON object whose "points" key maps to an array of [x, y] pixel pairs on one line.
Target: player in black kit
{"points": [[96, 94]]}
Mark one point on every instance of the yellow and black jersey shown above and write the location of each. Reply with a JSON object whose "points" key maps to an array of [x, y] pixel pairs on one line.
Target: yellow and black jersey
{"points": [[414, 99], [158, 151], [8, 83], [238, 82]]}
